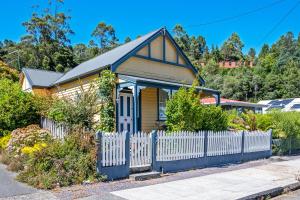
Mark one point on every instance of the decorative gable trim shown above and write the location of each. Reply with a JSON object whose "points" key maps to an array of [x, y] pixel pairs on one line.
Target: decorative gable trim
{"points": [[165, 34]]}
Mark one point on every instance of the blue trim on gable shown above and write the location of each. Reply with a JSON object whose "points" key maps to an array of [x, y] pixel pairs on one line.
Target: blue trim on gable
{"points": [[179, 50], [149, 50], [164, 47], [115, 65], [161, 61]]}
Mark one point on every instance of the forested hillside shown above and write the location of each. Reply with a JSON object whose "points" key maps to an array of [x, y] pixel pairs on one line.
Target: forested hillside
{"points": [[275, 74]]}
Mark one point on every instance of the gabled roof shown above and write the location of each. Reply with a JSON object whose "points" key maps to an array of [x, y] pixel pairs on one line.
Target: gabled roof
{"points": [[106, 59], [116, 56], [41, 78]]}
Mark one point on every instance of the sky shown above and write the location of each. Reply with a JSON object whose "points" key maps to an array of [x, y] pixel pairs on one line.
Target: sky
{"points": [[137, 17]]}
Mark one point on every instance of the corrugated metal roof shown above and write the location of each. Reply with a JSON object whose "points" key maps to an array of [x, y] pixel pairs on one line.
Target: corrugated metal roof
{"points": [[105, 59], [231, 102], [41, 78]]}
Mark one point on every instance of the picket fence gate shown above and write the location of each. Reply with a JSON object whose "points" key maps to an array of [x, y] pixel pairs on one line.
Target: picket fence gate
{"points": [[140, 150], [113, 149]]}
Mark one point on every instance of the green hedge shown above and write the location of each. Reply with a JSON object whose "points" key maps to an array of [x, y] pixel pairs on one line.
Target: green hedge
{"points": [[17, 108], [185, 112]]}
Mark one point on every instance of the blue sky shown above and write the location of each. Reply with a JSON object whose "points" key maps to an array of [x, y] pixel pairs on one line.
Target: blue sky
{"points": [[136, 17]]}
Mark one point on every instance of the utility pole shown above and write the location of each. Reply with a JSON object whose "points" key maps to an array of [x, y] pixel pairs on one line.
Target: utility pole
{"points": [[18, 57]]}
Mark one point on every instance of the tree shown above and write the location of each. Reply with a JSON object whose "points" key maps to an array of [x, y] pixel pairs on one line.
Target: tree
{"points": [[252, 53], [182, 38], [106, 36], [197, 47], [127, 39], [232, 48], [17, 108], [46, 44]]}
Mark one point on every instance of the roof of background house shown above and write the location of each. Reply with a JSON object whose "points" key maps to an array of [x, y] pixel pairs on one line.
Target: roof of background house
{"points": [[282, 104], [231, 102], [105, 59], [41, 78]]}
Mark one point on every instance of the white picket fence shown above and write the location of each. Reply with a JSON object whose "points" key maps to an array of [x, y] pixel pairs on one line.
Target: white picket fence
{"points": [[113, 149], [57, 130], [179, 145], [224, 143], [140, 149], [257, 141]]}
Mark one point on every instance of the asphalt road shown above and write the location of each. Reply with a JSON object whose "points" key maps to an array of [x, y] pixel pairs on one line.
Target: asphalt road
{"points": [[295, 195], [10, 187]]}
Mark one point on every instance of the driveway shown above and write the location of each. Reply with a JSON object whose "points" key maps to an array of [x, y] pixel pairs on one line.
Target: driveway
{"points": [[12, 189]]}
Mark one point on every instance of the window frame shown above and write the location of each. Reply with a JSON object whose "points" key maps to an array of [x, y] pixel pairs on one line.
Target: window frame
{"points": [[169, 94]]}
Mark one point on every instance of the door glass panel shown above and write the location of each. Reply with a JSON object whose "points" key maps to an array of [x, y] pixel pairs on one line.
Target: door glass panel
{"points": [[122, 106], [122, 127], [128, 106], [128, 127]]}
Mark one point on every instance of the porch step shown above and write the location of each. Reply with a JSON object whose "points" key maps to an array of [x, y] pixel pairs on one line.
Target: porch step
{"points": [[140, 169], [144, 176]]}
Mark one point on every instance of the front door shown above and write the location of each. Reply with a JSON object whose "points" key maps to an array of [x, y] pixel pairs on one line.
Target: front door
{"points": [[125, 112]]}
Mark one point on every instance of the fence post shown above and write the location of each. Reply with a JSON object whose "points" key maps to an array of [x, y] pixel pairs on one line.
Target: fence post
{"points": [[154, 146], [243, 145], [99, 150], [205, 147], [127, 150]]}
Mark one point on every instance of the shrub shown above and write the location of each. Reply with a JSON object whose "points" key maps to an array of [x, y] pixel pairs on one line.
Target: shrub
{"points": [[62, 163], [214, 118], [80, 111], [28, 136], [185, 112], [21, 145], [245, 121], [16, 107]]}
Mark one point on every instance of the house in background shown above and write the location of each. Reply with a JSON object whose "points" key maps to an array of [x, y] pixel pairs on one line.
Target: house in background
{"points": [[148, 69], [284, 105], [240, 106], [235, 64]]}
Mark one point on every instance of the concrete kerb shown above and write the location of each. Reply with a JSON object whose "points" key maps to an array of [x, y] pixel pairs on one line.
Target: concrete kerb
{"points": [[272, 192]]}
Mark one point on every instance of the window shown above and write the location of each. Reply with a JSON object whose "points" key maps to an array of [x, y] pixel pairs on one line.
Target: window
{"points": [[163, 96]]}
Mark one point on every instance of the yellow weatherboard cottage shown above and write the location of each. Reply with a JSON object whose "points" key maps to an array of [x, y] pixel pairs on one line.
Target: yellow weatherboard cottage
{"points": [[149, 69]]}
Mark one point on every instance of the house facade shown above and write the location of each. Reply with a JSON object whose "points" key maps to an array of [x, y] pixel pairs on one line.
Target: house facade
{"points": [[149, 70]]}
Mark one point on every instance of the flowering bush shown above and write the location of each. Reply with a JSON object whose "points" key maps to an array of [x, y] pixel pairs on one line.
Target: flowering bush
{"points": [[36, 147], [62, 163], [4, 141], [23, 142], [28, 136]]}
